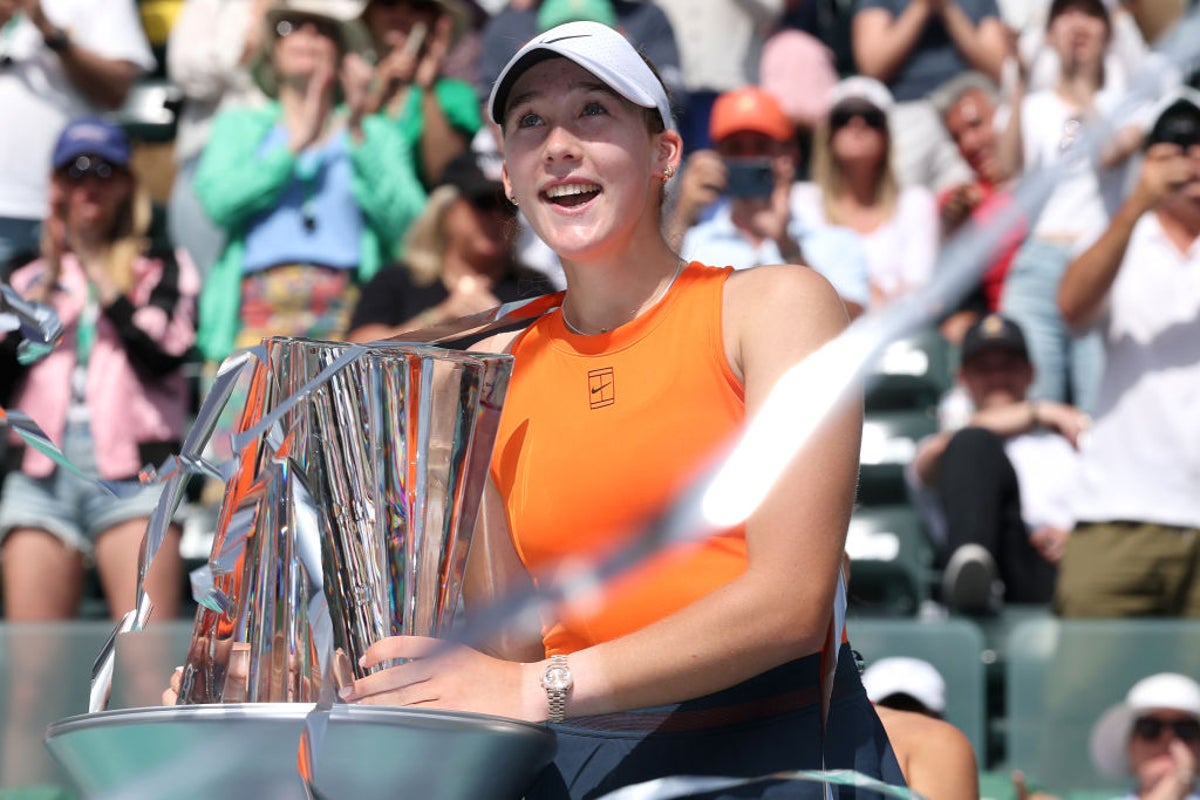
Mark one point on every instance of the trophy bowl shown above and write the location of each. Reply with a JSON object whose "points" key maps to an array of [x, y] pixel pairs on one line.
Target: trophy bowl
{"points": [[250, 750]]}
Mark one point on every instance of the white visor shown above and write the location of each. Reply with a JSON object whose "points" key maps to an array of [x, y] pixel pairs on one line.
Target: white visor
{"points": [[597, 48]]}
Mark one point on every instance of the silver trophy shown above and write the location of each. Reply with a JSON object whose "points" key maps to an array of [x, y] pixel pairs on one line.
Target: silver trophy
{"points": [[348, 518]]}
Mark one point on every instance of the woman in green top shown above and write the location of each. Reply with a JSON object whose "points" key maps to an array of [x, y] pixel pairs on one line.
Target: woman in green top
{"points": [[313, 194]]}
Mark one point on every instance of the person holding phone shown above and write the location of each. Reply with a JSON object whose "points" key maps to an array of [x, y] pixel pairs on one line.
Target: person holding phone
{"points": [[747, 179], [438, 115]]}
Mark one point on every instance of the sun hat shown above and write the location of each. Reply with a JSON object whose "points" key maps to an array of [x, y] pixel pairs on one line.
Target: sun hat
{"points": [[1110, 735], [749, 108], [860, 87], [344, 13], [91, 136], [600, 50], [914, 677]]}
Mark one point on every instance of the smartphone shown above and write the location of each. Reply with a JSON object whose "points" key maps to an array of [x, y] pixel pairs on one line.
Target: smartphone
{"points": [[749, 177]]}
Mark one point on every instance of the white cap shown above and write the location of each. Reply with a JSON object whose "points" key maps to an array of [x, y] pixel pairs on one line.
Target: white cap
{"points": [[597, 48], [918, 679], [1110, 735], [860, 87]]}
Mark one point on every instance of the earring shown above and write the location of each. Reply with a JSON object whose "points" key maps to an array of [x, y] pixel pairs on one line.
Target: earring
{"points": [[513, 200], [668, 173]]}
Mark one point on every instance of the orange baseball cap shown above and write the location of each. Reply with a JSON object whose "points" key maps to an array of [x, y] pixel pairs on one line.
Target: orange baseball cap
{"points": [[750, 108]]}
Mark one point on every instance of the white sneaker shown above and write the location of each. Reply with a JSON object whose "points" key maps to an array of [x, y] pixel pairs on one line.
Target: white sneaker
{"points": [[971, 583]]}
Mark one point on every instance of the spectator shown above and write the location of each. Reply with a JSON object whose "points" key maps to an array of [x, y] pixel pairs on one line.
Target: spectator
{"points": [[61, 59], [996, 494], [1135, 550], [967, 106], [854, 186], [906, 684], [438, 115], [937, 760], [1153, 737], [720, 44], [312, 196], [752, 170], [111, 393], [458, 260], [1041, 131], [211, 49], [915, 46]]}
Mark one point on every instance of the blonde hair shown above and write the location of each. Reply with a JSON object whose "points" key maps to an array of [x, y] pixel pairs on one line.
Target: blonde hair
{"points": [[425, 243], [129, 240], [829, 178]]}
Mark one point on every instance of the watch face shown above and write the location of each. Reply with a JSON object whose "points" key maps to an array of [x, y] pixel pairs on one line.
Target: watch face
{"points": [[557, 679]]}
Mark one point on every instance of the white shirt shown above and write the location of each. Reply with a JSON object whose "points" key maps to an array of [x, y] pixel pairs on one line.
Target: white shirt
{"points": [[38, 99], [720, 41], [1141, 460], [1084, 197], [900, 252], [203, 57]]}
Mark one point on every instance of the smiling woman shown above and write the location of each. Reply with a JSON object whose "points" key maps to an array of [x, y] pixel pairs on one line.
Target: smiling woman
{"points": [[709, 658]]}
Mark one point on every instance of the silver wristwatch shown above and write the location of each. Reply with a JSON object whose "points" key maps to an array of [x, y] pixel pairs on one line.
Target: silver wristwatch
{"points": [[557, 682]]}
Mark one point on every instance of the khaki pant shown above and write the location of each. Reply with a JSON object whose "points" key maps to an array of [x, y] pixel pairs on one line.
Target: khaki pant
{"points": [[1129, 569]]}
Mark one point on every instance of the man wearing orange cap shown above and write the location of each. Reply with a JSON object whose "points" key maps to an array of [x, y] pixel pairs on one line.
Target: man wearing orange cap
{"points": [[734, 202]]}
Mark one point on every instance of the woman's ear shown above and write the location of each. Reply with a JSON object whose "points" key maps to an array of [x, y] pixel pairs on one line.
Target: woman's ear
{"points": [[669, 152], [508, 190]]}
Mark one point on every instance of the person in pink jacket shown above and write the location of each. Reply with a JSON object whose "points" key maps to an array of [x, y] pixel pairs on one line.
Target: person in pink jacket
{"points": [[111, 394]]}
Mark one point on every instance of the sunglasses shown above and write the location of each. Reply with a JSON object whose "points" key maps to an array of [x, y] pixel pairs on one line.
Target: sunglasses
{"points": [[85, 167], [289, 25], [1149, 728], [841, 115]]}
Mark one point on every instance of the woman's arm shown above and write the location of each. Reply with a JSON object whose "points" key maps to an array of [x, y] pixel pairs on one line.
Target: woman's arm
{"points": [[234, 181], [158, 334], [779, 609], [199, 59], [983, 46], [883, 42]]}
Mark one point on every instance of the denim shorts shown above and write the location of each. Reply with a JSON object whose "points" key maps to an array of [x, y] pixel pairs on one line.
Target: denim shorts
{"points": [[71, 508]]}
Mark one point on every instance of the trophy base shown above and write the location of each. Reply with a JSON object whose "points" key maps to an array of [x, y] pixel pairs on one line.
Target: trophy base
{"points": [[249, 750]]}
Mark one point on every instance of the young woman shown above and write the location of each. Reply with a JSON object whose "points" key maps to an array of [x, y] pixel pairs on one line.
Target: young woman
{"points": [[854, 186], [111, 394], [1040, 133], [707, 658]]}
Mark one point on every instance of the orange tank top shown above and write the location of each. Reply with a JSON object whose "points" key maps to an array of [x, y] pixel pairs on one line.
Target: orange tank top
{"points": [[600, 432]]}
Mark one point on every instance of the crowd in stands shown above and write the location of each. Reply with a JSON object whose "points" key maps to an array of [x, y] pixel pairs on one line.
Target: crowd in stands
{"points": [[334, 177]]}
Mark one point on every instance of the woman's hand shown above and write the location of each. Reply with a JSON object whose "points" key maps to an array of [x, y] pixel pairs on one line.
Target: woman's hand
{"points": [[306, 127], [457, 678], [434, 54]]}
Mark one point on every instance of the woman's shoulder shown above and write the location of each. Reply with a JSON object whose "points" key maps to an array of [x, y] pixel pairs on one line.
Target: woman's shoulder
{"points": [[916, 199], [789, 289]]}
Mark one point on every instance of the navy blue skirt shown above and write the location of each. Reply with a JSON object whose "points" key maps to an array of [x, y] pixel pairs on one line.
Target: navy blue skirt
{"points": [[769, 723]]}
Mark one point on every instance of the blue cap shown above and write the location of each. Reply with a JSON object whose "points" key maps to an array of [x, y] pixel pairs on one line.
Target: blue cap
{"points": [[91, 136]]}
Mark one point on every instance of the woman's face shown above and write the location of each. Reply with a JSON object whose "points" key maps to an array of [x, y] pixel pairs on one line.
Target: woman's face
{"points": [[481, 229], [305, 45], [858, 134], [391, 21], [92, 193], [1078, 37], [581, 161], [1150, 743]]}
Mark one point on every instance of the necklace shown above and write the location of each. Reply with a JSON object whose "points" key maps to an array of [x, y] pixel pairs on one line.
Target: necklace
{"points": [[653, 301]]}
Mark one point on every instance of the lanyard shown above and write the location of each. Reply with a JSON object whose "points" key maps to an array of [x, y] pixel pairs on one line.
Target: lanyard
{"points": [[85, 330]]}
